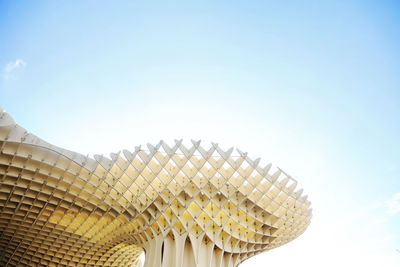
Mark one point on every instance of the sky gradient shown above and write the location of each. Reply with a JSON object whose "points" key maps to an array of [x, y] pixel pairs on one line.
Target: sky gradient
{"points": [[312, 87]]}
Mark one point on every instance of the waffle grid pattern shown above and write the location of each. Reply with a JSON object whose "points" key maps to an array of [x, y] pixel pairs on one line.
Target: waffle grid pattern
{"points": [[185, 206]]}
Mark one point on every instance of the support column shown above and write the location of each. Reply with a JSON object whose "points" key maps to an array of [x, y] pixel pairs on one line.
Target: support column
{"points": [[184, 251]]}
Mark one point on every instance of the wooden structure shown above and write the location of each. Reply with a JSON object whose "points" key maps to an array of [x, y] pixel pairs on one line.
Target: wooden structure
{"points": [[184, 206]]}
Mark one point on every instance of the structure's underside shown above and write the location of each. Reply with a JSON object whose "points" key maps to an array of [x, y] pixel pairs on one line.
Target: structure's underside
{"points": [[184, 206]]}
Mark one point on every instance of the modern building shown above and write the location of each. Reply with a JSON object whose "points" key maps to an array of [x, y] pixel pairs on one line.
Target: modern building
{"points": [[182, 205]]}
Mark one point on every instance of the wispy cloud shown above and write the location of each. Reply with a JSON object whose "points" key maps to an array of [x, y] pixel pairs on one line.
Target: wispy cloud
{"points": [[393, 204], [12, 67]]}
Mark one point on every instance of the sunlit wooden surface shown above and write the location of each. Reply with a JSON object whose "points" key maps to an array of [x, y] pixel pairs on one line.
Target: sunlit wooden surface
{"points": [[182, 205]]}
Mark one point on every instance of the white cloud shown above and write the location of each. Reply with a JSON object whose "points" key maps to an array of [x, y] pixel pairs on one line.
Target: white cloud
{"points": [[11, 67], [393, 205]]}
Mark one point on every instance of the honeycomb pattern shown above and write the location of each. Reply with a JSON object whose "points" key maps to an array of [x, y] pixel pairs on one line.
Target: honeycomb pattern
{"points": [[182, 205]]}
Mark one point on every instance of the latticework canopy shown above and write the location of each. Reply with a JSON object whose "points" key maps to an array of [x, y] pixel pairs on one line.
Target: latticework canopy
{"points": [[183, 205]]}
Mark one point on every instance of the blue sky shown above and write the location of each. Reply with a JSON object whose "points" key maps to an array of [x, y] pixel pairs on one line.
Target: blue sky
{"points": [[313, 87]]}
